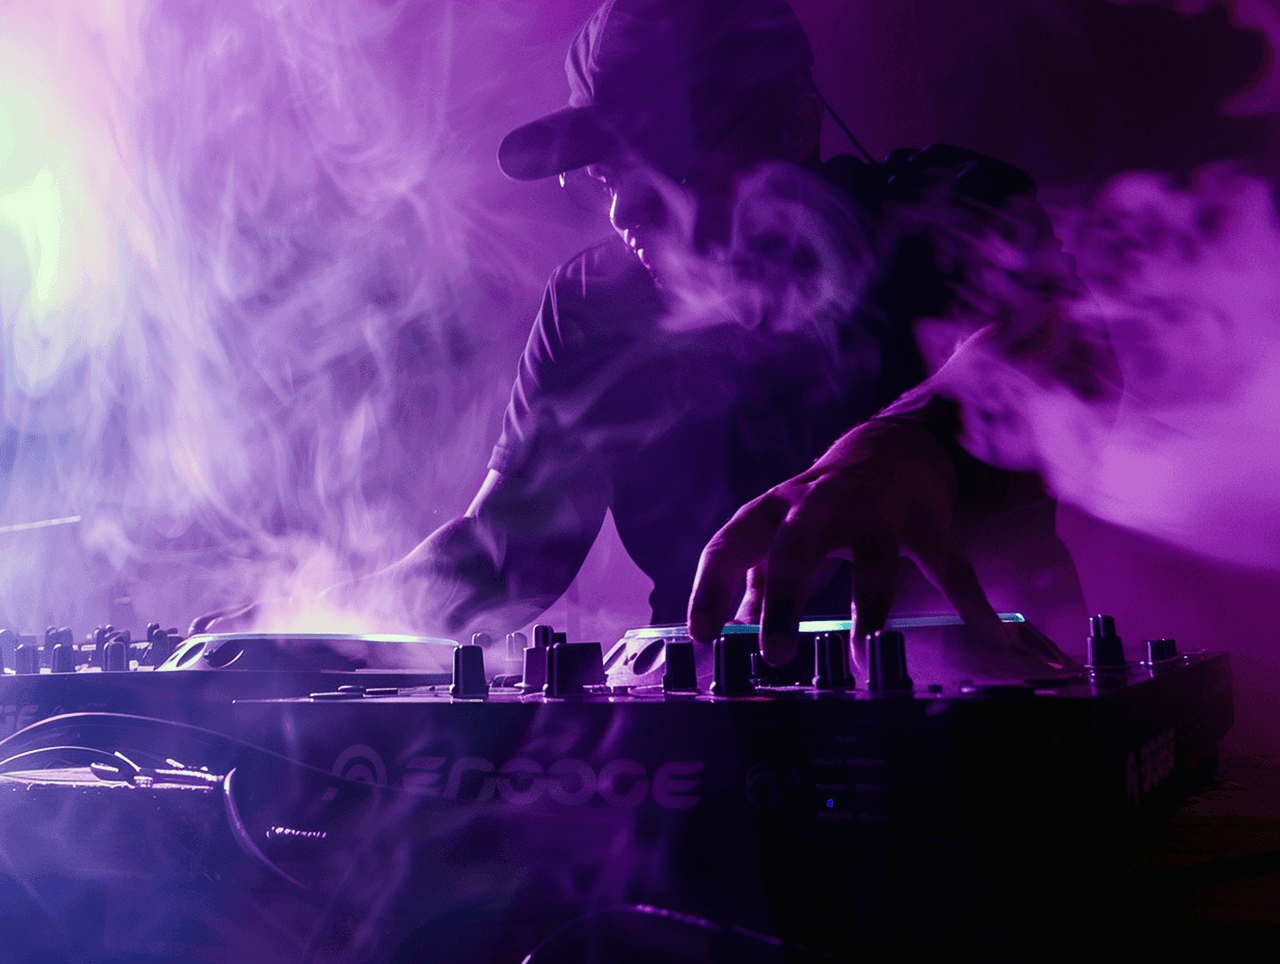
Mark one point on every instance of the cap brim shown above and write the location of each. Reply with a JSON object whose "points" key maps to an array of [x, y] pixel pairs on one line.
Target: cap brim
{"points": [[563, 141]]}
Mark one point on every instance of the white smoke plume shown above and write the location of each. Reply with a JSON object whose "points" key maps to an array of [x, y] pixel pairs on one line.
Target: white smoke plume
{"points": [[254, 261]]}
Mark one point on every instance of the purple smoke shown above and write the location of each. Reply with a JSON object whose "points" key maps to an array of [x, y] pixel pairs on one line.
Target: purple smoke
{"points": [[255, 261], [262, 287]]}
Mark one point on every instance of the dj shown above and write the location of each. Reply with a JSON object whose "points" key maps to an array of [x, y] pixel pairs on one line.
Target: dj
{"points": [[675, 105], [717, 372]]}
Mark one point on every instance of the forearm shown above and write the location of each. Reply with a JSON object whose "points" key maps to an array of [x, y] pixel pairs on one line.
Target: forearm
{"points": [[463, 578], [507, 560], [1003, 408]]}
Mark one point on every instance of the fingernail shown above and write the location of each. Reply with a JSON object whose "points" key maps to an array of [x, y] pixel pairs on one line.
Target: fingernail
{"points": [[778, 649]]}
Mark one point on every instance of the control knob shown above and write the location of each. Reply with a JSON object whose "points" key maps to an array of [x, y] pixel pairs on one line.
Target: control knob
{"points": [[468, 670], [887, 662], [733, 665], [1105, 648]]}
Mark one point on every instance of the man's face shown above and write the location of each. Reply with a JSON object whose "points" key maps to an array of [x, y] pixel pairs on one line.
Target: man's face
{"points": [[661, 215], [658, 217]]}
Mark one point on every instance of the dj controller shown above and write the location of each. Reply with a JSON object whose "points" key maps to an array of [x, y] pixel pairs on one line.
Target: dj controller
{"points": [[164, 675], [339, 799]]}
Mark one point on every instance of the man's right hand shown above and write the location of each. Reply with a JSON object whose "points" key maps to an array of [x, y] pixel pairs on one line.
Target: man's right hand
{"points": [[885, 488]]}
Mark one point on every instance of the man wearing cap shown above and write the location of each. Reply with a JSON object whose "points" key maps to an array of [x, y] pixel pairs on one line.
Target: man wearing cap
{"points": [[740, 446]]}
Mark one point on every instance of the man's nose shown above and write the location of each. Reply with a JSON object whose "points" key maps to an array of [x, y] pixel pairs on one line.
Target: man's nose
{"points": [[638, 203]]}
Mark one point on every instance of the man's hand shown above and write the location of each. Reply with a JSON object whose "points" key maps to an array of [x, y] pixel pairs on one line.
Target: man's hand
{"points": [[884, 489]]}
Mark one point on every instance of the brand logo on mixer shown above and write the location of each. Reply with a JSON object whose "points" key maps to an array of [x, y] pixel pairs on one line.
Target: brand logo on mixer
{"points": [[1150, 766], [522, 781]]}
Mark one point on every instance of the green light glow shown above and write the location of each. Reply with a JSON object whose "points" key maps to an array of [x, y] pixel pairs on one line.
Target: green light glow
{"points": [[34, 212]]}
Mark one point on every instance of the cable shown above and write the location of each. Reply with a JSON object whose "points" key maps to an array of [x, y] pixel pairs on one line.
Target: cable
{"points": [[844, 127], [630, 933]]}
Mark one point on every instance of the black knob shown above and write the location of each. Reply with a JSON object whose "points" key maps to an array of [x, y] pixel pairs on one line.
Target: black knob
{"points": [[733, 665], [26, 657], [1104, 646], [60, 650], [887, 662], [116, 655], [831, 662], [1161, 649], [516, 643], [64, 658], [100, 637], [162, 646], [572, 667], [468, 673], [534, 676], [681, 675]]}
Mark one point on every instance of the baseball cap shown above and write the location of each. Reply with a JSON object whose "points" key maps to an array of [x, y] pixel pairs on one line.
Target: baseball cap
{"points": [[662, 78]]}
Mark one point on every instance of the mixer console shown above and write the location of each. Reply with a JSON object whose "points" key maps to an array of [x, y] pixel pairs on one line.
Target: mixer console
{"points": [[195, 680], [458, 819]]}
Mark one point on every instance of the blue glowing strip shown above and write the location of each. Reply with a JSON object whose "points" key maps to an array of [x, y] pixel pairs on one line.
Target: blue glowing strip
{"points": [[905, 621]]}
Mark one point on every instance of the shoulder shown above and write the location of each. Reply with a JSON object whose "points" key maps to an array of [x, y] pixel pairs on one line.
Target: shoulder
{"points": [[596, 304], [600, 297], [598, 275]]}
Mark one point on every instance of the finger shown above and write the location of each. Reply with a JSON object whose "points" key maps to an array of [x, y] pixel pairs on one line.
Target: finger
{"points": [[948, 568], [797, 552], [739, 545], [1040, 645], [875, 583], [753, 599]]}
